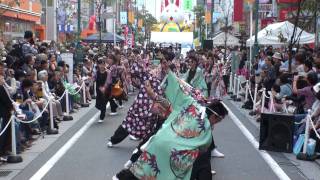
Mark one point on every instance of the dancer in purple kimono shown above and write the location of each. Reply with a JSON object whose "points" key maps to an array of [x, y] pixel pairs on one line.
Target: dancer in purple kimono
{"points": [[140, 121]]}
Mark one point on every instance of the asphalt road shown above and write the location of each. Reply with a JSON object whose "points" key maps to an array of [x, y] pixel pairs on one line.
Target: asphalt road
{"points": [[90, 158]]}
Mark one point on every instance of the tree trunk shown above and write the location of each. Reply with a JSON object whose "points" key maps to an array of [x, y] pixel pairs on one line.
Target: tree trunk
{"points": [[292, 41]]}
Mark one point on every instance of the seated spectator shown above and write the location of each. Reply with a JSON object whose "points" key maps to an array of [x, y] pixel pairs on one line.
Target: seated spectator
{"points": [[285, 86], [26, 102], [28, 66], [312, 80], [47, 95], [308, 67], [299, 63], [5, 112]]}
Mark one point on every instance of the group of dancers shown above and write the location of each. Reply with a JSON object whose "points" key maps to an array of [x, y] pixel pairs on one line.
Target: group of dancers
{"points": [[172, 115]]}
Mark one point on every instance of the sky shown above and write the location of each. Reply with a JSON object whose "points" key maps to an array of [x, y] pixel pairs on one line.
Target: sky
{"points": [[154, 6]]}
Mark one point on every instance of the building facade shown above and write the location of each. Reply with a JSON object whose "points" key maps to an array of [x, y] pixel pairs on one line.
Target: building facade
{"points": [[15, 19]]}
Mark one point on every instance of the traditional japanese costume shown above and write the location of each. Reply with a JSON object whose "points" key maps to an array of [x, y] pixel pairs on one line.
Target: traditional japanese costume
{"points": [[170, 153]]}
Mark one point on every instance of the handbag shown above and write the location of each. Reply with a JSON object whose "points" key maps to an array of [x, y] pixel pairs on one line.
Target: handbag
{"points": [[116, 90]]}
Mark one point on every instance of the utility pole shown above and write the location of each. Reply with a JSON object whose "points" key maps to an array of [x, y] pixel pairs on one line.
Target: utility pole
{"points": [[256, 45], [317, 25], [225, 38], [79, 22]]}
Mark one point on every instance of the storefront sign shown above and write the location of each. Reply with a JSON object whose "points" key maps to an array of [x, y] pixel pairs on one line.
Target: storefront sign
{"points": [[123, 17]]}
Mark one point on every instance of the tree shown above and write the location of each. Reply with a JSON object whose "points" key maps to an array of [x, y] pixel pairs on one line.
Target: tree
{"points": [[226, 7], [199, 13], [304, 17], [148, 22]]}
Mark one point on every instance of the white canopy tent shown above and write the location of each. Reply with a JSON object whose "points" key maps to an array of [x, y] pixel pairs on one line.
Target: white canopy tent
{"points": [[219, 40], [172, 37], [270, 35]]}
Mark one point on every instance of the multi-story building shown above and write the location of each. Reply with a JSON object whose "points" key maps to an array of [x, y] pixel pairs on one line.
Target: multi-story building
{"points": [[15, 19]]}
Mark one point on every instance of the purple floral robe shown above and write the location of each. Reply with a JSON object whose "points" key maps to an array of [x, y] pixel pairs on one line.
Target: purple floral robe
{"points": [[140, 121]]}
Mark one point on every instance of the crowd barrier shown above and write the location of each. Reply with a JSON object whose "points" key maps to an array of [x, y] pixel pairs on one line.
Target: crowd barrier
{"points": [[234, 91], [14, 158]]}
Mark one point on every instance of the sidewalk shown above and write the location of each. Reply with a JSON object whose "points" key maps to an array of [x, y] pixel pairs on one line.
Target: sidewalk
{"points": [[9, 171], [311, 170]]}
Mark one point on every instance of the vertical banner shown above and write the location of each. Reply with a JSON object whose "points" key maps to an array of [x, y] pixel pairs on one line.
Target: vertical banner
{"points": [[187, 5], [140, 23], [131, 17], [208, 17], [318, 33], [123, 18], [238, 11], [209, 5]]}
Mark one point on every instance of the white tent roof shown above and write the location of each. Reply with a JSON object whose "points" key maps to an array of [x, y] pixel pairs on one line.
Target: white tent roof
{"points": [[219, 40], [270, 34], [172, 37]]}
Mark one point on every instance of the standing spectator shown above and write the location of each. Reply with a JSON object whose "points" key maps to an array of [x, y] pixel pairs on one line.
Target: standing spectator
{"points": [[28, 44], [277, 59]]}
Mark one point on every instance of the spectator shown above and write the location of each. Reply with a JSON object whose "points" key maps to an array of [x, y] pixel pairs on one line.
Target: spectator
{"points": [[299, 62], [312, 80], [5, 111], [28, 44]]}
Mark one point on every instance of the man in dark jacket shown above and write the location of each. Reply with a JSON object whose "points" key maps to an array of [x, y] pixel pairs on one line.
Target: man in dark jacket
{"points": [[5, 112]]}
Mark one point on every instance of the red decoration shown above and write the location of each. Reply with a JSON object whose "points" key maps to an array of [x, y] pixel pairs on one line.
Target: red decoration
{"points": [[287, 1], [284, 12], [238, 10]]}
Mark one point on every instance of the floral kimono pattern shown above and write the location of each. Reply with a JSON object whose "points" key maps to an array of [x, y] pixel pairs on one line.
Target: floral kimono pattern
{"points": [[171, 152], [218, 84], [139, 121]]}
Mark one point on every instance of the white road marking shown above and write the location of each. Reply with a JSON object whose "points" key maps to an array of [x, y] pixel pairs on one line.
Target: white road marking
{"points": [[265, 155], [62, 151]]}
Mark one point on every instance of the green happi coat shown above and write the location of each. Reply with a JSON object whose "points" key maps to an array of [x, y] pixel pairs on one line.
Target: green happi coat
{"points": [[170, 154], [198, 81]]}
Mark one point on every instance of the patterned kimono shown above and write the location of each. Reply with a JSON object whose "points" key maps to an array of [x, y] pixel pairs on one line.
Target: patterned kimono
{"points": [[170, 153], [219, 86], [198, 81], [140, 121]]}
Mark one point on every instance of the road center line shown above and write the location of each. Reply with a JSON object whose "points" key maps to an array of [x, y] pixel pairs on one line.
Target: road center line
{"points": [[62, 151], [265, 155]]}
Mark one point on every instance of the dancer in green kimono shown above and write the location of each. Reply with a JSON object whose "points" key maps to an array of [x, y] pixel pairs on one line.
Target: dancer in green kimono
{"points": [[172, 151], [195, 76]]}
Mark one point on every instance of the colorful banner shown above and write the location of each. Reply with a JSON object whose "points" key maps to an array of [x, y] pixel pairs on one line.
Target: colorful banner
{"points": [[208, 17], [123, 17], [131, 17], [238, 11], [140, 23], [187, 5]]}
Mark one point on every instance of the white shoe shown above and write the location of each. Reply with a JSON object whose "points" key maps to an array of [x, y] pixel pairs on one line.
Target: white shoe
{"points": [[213, 172], [109, 144], [114, 177], [216, 153], [133, 138], [113, 114], [128, 164], [100, 121], [120, 106]]}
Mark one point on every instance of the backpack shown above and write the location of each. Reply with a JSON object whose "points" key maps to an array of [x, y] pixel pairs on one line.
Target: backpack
{"points": [[17, 51]]}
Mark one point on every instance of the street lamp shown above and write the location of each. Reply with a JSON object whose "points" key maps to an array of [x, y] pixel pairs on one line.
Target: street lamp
{"points": [[99, 5], [256, 46]]}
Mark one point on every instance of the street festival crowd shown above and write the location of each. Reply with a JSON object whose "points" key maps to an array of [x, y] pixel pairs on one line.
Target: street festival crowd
{"points": [[178, 100]]}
